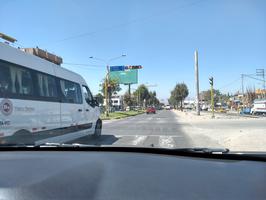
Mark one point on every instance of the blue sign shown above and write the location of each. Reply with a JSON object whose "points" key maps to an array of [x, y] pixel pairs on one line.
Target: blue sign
{"points": [[117, 68]]}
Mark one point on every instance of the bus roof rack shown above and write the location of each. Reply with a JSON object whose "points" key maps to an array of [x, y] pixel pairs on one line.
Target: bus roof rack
{"points": [[44, 55], [7, 38]]}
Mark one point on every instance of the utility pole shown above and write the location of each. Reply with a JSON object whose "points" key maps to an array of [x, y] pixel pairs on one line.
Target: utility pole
{"points": [[242, 84], [261, 72], [212, 95], [129, 90], [197, 82], [263, 78], [129, 93]]}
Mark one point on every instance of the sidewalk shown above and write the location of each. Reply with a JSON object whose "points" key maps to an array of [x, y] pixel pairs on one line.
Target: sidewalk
{"points": [[234, 132]]}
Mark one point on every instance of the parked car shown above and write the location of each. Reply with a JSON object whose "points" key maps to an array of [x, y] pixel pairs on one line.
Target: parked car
{"points": [[150, 110], [221, 109], [205, 107], [246, 111], [259, 107]]}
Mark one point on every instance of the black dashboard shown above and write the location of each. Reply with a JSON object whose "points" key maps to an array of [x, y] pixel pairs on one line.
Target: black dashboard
{"points": [[126, 175]]}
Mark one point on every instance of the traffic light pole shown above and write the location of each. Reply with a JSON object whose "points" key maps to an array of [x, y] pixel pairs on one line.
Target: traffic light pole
{"points": [[212, 95], [212, 100]]}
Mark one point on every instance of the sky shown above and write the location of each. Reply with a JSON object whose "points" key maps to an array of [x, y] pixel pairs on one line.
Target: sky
{"points": [[160, 35]]}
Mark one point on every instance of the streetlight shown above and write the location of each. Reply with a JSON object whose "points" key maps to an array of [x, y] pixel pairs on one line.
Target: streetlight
{"points": [[107, 78]]}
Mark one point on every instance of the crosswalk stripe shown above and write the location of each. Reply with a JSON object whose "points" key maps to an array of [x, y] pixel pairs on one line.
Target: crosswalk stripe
{"points": [[135, 140], [138, 140], [166, 141]]}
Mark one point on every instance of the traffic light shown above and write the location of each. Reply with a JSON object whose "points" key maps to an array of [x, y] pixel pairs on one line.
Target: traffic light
{"points": [[211, 81], [109, 87], [134, 67]]}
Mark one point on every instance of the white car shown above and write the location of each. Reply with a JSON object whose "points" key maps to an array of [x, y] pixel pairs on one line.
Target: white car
{"points": [[167, 107], [258, 107], [41, 101]]}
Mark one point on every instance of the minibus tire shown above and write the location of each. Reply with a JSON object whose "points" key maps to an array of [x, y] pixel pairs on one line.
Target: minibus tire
{"points": [[98, 128]]}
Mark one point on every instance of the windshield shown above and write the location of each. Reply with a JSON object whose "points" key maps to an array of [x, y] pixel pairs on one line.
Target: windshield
{"points": [[164, 74]]}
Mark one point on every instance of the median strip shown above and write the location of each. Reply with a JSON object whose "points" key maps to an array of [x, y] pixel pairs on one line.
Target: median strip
{"points": [[120, 115]]}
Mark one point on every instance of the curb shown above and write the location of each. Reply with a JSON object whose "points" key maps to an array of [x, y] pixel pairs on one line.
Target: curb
{"points": [[117, 118]]}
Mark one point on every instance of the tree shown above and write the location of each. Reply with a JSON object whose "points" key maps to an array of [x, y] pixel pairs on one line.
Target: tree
{"points": [[152, 99], [141, 93], [218, 96], [99, 98], [178, 94], [249, 97], [129, 100], [172, 101], [113, 87]]}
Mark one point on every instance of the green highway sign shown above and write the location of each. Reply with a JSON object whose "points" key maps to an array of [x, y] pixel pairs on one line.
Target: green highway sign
{"points": [[125, 77]]}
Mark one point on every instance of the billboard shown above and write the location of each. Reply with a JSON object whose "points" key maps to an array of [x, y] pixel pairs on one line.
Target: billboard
{"points": [[125, 77]]}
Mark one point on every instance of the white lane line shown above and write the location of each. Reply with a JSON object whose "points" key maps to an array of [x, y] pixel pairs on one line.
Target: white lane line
{"points": [[120, 136], [107, 121], [166, 141], [141, 122], [138, 139]]}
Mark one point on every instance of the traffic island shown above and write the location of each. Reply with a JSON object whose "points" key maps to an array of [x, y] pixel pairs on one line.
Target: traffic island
{"points": [[234, 132]]}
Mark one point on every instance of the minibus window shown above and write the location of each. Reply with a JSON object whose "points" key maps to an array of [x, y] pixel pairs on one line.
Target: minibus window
{"points": [[71, 92], [46, 85], [15, 80], [87, 94], [4, 79]]}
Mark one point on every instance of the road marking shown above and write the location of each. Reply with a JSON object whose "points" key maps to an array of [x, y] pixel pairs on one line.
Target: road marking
{"points": [[138, 139], [120, 136], [166, 141]]}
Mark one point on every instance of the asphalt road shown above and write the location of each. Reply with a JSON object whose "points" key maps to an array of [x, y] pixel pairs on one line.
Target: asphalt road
{"points": [[153, 130]]}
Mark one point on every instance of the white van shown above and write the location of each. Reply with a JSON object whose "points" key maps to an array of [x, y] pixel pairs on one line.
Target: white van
{"points": [[43, 102], [258, 107]]}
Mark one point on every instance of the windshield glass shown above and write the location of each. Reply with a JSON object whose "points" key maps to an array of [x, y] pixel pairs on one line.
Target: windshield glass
{"points": [[165, 74]]}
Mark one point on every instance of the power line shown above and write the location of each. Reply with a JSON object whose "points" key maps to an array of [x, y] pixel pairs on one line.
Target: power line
{"points": [[85, 66], [249, 76], [253, 77], [229, 84], [80, 64], [155, 15]]}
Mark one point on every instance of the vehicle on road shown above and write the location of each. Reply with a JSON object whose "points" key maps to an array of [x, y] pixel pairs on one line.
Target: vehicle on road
{"points": [[167, 107], [40, 100], [150, 110], [258, 107]]}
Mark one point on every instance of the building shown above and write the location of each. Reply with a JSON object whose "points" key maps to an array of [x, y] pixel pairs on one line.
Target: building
{"points": [[189, 104], [116, 102]]}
